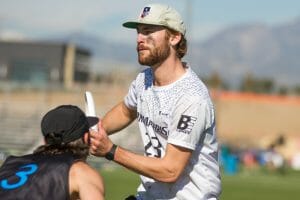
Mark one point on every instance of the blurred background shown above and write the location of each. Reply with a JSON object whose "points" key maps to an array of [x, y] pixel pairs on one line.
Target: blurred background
{"points": [[247, 53]]}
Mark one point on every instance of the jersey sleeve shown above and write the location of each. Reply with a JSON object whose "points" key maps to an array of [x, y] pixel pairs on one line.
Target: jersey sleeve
{"points": [[130, 99], [191, 118]]}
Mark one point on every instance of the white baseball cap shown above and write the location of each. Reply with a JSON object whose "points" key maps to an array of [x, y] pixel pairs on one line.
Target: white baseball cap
{"points": [[161, 15]]}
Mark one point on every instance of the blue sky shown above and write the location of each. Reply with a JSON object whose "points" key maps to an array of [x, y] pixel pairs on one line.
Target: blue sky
{"points": [[42, 18]]}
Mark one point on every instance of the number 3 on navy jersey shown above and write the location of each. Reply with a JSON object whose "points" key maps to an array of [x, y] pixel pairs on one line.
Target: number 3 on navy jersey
{"points": [[22, 174], [155, 144]]}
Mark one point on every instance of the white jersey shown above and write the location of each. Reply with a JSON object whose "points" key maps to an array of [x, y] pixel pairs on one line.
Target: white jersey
{"points": [[181, 114]]}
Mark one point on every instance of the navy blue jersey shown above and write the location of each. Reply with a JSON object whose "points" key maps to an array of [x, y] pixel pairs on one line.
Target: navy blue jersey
{"points": [[36, 177]]}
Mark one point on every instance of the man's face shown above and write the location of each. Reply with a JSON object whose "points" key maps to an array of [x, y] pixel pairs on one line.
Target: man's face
{"points": [[152, 45]]}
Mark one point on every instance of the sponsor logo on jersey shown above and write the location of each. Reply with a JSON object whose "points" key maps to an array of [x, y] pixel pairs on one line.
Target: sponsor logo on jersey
{"points": [[185, 124], [162, 130]]}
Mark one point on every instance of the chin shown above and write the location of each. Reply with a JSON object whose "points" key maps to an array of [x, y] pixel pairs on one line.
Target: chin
{"points": [[142, 59], [142, 62]]}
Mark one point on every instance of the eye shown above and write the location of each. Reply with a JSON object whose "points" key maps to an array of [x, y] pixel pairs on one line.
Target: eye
{"points": [[145, 31], [148, 29]]}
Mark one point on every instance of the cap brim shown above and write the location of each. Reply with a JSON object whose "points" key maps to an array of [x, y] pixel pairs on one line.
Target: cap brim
{"points": [[134, 24], [131, 24], [92, 120]]}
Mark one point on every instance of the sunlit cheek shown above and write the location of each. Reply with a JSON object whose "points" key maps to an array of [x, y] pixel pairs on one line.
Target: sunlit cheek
{"points": [[150, 42]]}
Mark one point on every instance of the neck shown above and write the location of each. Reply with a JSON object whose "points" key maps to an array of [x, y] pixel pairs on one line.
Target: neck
{"points": [[168, 71]]}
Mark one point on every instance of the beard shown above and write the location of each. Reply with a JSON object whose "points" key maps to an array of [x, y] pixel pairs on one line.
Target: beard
{"points": [[155, 55]]}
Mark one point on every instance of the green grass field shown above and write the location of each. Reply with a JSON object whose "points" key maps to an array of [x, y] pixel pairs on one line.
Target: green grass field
{"points": [[120, 183]]}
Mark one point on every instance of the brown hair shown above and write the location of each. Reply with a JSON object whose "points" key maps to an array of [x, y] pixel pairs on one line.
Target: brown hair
{"points": [[181, 47], [77, 147]]}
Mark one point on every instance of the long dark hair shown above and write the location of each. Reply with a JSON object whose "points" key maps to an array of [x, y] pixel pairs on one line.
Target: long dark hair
{"points": [[77, 148]]}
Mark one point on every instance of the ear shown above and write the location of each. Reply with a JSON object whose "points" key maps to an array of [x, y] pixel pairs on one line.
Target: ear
{"points": [[86, 138], [175, 39]]}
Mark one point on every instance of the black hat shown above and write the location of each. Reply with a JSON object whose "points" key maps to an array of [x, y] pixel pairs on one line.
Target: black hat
{"points": [[65, 124]]}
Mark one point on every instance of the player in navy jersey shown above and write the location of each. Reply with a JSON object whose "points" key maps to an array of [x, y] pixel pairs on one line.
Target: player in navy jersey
{"points": [[174, 112], [58, 169]]}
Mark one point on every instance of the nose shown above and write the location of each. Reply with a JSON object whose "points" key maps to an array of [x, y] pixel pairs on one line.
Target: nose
{"points": [[140, 37]]}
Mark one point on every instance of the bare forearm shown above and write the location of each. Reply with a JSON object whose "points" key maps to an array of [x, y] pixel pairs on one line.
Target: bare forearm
{"points": [[157, 168], [118, 118]]}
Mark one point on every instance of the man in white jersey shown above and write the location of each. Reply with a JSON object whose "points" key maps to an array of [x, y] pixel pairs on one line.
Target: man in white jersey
{"points": [[175, 115]]}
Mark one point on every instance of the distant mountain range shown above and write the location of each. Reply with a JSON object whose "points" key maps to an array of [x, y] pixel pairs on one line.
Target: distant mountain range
{"points": [[259, 49], [264, 51]]}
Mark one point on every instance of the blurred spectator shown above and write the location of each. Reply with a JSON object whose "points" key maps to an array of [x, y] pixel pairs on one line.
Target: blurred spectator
{"points": [[273, 159], [295, 162], [249, 160], [229, 160]]}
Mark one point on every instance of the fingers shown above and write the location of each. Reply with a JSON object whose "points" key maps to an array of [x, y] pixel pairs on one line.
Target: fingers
{"points": [[99, 123], [94, 146], [96, 138], [99, 141], [99, 130]]}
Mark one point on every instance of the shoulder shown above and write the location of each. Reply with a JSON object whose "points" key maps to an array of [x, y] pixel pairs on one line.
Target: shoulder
{"points": [[192, 93], [82, 170], [145, 73], [81, 174], [144, 79], [192, 88]]}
